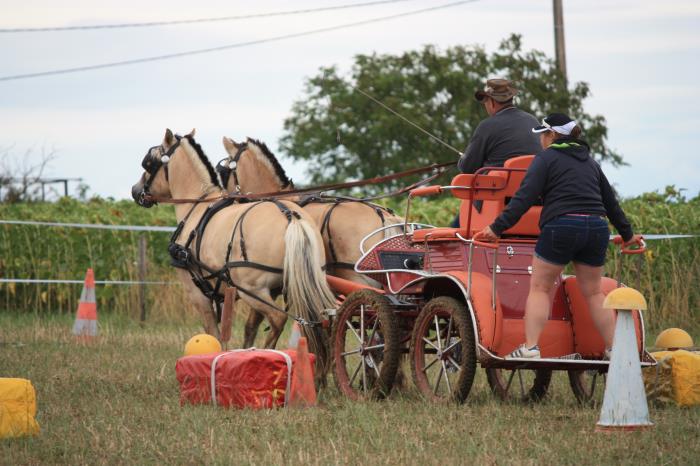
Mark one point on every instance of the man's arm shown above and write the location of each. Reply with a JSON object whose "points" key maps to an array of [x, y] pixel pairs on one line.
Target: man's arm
{"points": [[475, 154]]}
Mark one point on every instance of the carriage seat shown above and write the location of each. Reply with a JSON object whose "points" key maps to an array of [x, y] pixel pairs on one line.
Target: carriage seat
{"points": [[528, 225]]}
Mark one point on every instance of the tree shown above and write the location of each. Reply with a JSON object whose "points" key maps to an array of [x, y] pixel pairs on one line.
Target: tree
{"points": [[347, 136], [20, 178]]}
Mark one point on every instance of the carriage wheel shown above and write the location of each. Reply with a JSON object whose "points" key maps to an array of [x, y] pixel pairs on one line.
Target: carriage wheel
{"points": [[365, 346], [443, 353], [519, 384], [588, 386]]}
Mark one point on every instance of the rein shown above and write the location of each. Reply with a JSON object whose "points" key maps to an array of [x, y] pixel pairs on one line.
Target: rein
{"points": [[439, 168]]}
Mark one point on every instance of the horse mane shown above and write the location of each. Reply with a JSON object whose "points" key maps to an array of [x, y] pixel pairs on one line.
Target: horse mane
{"points": [[260, 148], [213, 176]]}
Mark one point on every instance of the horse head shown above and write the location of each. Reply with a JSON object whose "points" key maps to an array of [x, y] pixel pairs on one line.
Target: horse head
{"points": [[177, 167], [154, 180], [251, 168]]}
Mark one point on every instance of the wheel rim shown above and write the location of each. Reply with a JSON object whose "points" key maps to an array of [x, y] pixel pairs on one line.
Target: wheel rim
{"points": [[519, 384], [588, 386], [360, 347], [437, 356]]}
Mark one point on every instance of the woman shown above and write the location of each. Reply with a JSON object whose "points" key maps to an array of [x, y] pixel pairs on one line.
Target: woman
{"points": [[576, 199]]}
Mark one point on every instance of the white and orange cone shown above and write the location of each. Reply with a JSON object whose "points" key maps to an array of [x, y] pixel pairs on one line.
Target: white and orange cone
{"points": [[303, 390], [85, 325]]}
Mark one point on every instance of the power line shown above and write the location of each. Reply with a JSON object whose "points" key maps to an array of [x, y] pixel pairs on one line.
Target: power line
{"points": [[198, 20], [230, 46]]}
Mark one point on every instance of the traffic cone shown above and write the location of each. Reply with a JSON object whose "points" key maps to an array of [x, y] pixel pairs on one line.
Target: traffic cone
{"points": [[85, 325], [294, 336], [303, 391], [625, 405]]}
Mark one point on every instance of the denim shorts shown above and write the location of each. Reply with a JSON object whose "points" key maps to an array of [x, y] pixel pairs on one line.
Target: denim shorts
{"points": [[573, 237]]}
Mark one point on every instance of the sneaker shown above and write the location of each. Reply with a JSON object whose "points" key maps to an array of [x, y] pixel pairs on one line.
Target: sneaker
{"points": [[522, 352]]}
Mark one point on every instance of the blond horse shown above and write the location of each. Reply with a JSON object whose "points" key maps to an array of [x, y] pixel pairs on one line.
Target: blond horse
{"points": [[344, 222], [261, 248], [251, 168]]}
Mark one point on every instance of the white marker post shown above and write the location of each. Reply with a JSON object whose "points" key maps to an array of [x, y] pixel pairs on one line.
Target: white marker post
{"points": [[625, 402]]}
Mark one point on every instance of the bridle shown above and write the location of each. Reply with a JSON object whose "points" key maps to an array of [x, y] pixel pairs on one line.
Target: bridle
{"points": [[152, 163], [227, 168]]}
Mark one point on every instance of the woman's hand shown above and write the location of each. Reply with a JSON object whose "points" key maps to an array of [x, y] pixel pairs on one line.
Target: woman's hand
{"points": [[486, 234], [636, 239]]}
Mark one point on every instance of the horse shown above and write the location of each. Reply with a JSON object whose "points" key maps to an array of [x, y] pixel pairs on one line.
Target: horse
{"points": [[251, 168], [263, 249]]}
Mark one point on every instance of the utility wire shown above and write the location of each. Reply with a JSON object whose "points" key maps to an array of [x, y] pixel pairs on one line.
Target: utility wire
{"points": [[194, 21], [386, 107], [231, 46]]}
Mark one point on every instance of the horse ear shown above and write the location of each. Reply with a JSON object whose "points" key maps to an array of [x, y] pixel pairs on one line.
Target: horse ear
{"points": [[191, 133], [229, 144], [168, 139]]}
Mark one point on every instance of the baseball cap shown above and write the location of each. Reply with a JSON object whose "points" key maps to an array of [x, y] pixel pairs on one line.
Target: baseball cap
{"points": [[557, 122], [499, 89]]}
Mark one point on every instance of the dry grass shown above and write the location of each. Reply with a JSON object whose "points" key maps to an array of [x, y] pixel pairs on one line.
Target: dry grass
{"points": [[116, 402]]}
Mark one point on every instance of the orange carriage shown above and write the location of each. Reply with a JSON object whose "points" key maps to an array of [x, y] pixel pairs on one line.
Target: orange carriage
{"points": [[451, 302]]}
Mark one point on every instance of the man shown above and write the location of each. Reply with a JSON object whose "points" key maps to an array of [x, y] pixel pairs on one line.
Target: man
{"points": [[504, 134]]}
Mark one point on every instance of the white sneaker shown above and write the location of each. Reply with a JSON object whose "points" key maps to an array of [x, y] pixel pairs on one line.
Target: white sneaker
{"points": [[523, 352]]}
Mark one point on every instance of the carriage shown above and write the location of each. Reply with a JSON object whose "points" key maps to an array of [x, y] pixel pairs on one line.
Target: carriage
{"points": [[450, 302]]}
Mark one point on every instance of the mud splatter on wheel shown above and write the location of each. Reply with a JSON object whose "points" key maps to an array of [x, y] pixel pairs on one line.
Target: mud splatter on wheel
{"points": [[443, 353], [365, 346]]}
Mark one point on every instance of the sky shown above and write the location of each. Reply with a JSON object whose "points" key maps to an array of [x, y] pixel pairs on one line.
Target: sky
{"points": [[640, 58]]}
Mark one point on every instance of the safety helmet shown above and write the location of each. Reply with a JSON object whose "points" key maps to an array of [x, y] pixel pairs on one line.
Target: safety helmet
{"points": [[674, 338], [202, 344]]}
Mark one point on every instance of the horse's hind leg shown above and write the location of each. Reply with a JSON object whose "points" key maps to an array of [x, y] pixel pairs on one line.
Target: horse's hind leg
{"points": [[277, 321], [276, 318], [251, 328]]}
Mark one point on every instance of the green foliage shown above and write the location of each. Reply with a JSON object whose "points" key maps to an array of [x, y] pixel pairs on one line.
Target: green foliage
{"points": [[65, 253], [40, 252], [345, 135]]}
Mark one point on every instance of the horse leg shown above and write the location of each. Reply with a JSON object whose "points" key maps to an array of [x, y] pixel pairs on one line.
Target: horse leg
{"points": [[251, 328], [201, 303], [277, 321], [276, 318]]}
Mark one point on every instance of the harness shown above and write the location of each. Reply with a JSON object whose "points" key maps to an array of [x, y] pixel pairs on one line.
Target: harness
{"points": [[334, 263], [226, 170], [182, 255]]}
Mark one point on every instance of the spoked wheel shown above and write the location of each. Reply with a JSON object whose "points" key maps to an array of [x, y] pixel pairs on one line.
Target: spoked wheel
{"points": [[443, 354], [519, 384], [365, 346], [588, 386]]}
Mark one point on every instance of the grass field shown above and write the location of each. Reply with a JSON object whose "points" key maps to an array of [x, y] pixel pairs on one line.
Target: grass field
{"points": [[116, 401]]}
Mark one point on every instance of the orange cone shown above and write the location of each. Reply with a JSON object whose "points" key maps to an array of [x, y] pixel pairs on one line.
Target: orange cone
{"points": [[86, 319], [303, 391]]}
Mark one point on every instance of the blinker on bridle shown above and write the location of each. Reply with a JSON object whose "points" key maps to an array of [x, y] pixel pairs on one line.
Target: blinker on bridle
{"points": [[151, 164], [226, 170]]}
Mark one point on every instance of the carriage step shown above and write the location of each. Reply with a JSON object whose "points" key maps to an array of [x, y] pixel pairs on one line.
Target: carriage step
{"points": [[572, 356]]}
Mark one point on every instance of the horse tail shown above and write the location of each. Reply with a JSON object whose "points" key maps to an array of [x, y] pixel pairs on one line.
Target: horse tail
{"points": [[305, 287]]}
